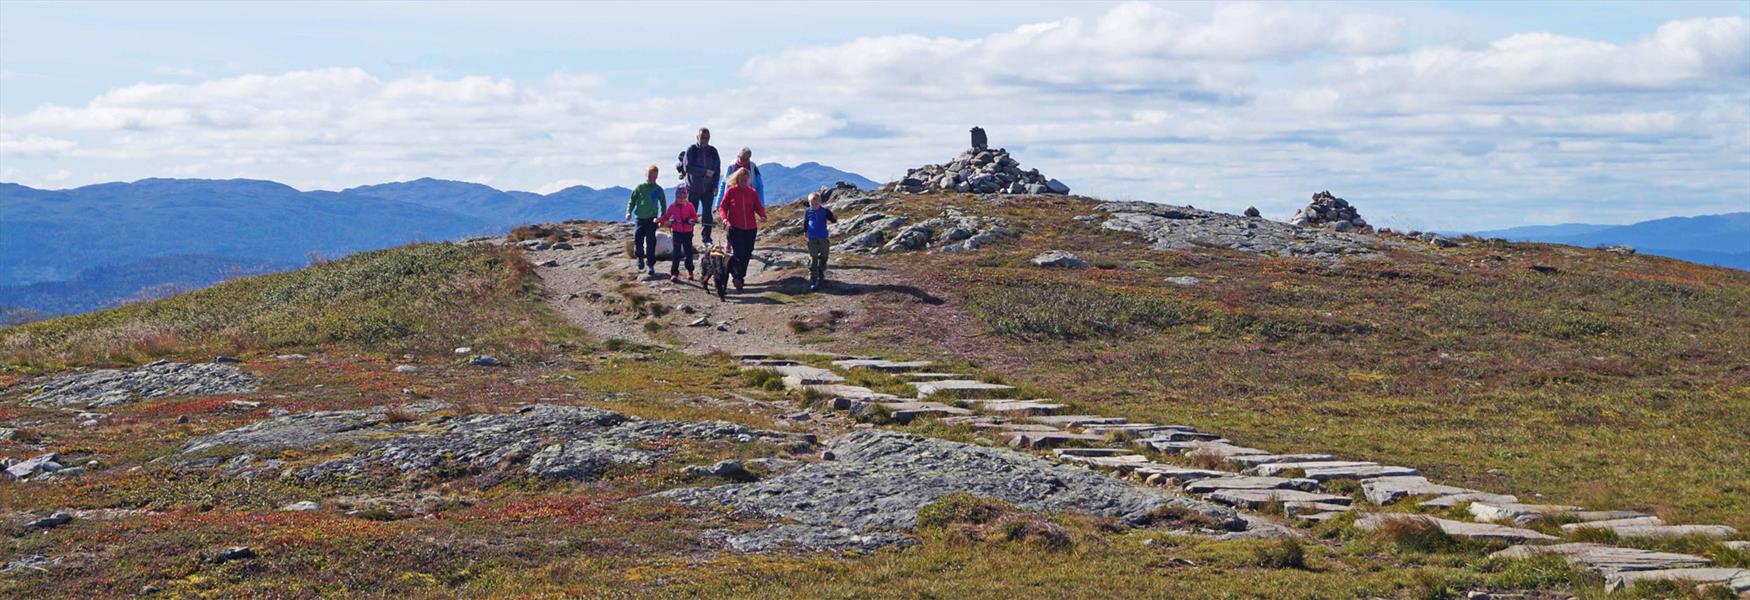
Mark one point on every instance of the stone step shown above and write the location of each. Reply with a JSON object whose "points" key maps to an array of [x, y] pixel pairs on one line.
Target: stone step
{"points": [[888, 366], [1737, 581], [1158, 474], [1265, 459], [1320, 517], [1304, 509], [1181, 435], [1076, 420], [1255, 499], [917, 376], [1608, 559], [753, 363], [801, 376], [1027, 427], [1274, 468], [1360, 473], [1526, 513], [959, 388], [1128, 461], [906, 412], [1668, 531], [1485, 531], [1245, 482], [1386, 490], [1449, 501], [1049, 439], [1022, 407], [1216, 448], [1613, 523], [1093, 452], [1137, 430]]}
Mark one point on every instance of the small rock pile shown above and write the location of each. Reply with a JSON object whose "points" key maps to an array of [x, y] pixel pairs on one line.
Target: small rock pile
{"points": [[978, 171], [161, 379], [1329, 210]]}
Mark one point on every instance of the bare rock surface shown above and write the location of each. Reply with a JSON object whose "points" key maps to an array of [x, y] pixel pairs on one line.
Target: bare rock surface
{"points": [[161, 379], [880, 479], [1182, 228], [561, 442]]}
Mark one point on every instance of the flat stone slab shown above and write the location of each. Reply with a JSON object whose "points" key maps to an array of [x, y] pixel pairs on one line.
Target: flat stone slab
{"points": [[1017, 427], [1024, 407], [1156, 473], [1361, 473], [959, 388], [1216, 448], [800, 376], [1612, 523], [1265, 459], [1049, 439], [1664, 531], [1525, 513], [1127, 461], [1135, 429], [1274, 468], [1302, 509], [1736, 580], [890, 366], [905, 412], [1456, 499], [1609, 559], [1386, 490], [1093, 452], [1244, 482], [756, 363], [1183, 435], [1076, 420], [1253, 499], [1484, 531], [916, 376]]}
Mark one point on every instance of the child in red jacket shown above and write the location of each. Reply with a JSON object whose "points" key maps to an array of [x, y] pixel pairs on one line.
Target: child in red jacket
{"points": [[680, 218]]}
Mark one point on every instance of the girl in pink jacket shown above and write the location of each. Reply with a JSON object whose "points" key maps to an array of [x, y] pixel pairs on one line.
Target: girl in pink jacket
{"points": [[680, 218]]}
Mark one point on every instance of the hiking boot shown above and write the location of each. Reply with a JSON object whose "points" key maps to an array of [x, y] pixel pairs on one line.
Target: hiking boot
{"points": [[674, 278], [738, 284]]}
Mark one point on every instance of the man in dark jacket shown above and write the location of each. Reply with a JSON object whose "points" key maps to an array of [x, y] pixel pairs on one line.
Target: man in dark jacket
{"points": [[701, 169]]}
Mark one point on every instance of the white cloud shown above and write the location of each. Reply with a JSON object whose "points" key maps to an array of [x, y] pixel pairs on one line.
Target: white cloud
{"points": [[34, 145]]}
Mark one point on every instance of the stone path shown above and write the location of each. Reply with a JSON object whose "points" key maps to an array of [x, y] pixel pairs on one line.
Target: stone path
{"points": [[1257, 479]]}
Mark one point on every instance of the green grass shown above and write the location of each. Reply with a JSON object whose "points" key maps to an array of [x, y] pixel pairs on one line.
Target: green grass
{"points": [[421, 297]]}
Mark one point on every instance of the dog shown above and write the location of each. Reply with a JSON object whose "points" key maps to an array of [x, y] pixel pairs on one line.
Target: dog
{"points": [[714, 268]]}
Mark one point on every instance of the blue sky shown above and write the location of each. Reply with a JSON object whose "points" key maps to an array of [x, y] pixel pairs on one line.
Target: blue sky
{"points": [[1436, 116]]}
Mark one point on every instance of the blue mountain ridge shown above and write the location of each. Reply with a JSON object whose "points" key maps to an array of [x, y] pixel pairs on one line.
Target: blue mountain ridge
{"points": [[1722, 239], [72, 250]]}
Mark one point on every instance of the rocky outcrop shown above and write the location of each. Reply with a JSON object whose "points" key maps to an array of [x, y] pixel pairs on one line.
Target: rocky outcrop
{"points": [[879, 480], [978, 171], [553, 441], [161, 379], [1327, 210], [1060, 259], [954, 231], [1182, 228]]}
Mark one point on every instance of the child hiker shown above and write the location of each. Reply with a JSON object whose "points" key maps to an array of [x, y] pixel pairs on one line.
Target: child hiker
{"points": [[815, 219], [680, 218], [647, 202]]}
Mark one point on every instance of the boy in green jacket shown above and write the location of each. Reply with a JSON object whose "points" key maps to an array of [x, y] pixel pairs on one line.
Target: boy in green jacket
{"points": [[647, 202]]}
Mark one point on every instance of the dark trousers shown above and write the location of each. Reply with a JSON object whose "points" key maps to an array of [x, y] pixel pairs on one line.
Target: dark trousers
{"points": [[706, 219], [740, 251], [683, 247], [817, 253], [644, 243]]}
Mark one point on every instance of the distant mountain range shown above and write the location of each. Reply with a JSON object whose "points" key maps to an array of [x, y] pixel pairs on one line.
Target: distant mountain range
{"points": [[1722, 239], [81, 249]]}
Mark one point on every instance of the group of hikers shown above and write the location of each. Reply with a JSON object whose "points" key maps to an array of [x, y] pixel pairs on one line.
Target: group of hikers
{"points": [[740, 199]]}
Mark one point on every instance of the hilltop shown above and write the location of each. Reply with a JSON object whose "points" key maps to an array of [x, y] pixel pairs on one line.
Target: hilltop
{"points": [[999, 395], [1722, 239], [75, 250]]}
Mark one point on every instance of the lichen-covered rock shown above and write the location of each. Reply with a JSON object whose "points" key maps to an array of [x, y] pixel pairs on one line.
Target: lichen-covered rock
{"points": [[880, 479], [1183, 228], [161, 379], [978, 171], [1059, 259]]}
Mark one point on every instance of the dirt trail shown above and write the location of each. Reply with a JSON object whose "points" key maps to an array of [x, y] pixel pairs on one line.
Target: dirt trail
{"points": [[594, 285]]}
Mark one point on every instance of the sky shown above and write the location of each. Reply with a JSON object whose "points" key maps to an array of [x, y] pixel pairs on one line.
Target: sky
{"points": [[1443, 116]]}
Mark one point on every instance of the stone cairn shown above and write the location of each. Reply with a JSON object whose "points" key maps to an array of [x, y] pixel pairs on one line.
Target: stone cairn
{"points": [[978, 170], [1330, 211]]}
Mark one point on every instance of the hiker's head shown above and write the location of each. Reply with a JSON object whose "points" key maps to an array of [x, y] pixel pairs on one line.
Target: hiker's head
{"points": [[745, 156], [739, 178], [651, 172], [704, 136], [680, 195], [814, 200]]}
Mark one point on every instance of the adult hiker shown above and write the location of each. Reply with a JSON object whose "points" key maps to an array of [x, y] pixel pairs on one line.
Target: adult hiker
{"points": [[744, 160], [647, 202], [739, 207], [680, 218], [701, 167], [814, 220]]}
